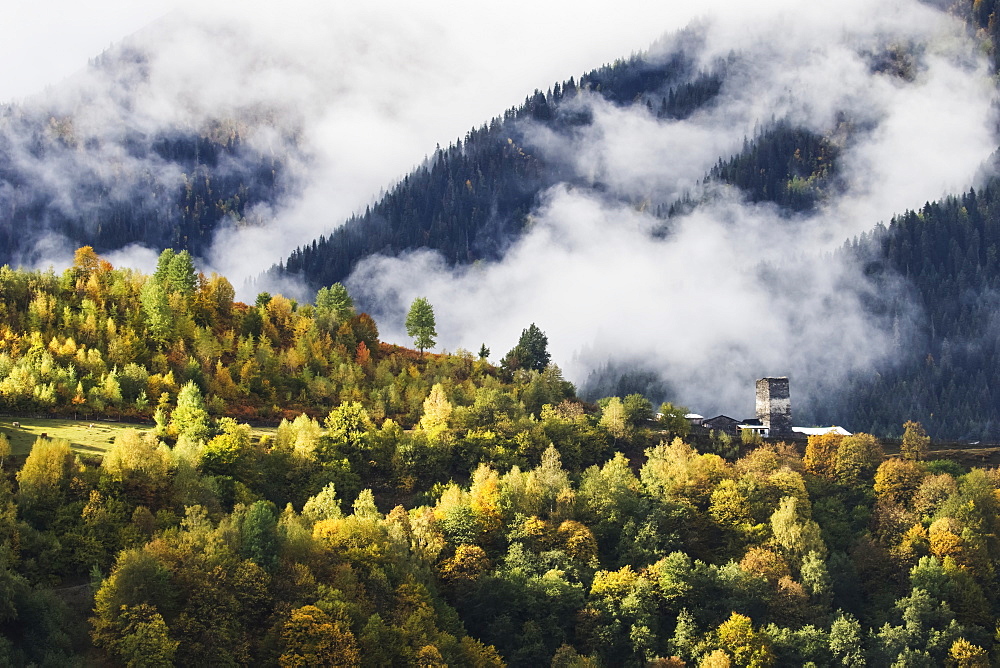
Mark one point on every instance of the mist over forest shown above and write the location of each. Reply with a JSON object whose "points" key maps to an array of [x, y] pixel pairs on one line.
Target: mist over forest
{"points": [[425, 334], [675, 219]]}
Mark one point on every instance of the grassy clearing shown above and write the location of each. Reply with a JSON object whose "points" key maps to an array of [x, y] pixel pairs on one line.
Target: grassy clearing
{"points": [[85, 437]]}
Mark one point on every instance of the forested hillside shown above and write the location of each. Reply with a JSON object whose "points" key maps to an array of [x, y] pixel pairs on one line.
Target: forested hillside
{"points": [[66, 178], [944, 375], [470, 200], [429, 509]]}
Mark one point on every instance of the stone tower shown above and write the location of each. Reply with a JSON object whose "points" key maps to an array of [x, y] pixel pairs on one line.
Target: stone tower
{"points": [[774, 406]]}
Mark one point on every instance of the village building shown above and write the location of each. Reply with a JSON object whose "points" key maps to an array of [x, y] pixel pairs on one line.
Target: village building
{"points": [[774, 415], [821, 431], [722, 423]]}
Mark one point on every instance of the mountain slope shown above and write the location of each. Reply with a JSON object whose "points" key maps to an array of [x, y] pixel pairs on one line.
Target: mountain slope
{"points": [[470, 201], [479, 201], [90, 165], [949, 253]]}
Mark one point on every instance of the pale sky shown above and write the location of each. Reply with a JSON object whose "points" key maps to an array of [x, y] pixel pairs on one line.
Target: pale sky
{"points": [[44, 41]]}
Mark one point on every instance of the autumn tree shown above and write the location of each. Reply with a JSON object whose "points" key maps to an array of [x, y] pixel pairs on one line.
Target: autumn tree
{"points": [[311, 638], [897, 480], [744, 645], [43, 481], [140, 462], [821, 454], [916, 442], [857, 458], [437, 412]]}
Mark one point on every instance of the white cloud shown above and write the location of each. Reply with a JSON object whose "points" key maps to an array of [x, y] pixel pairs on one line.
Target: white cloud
{"points": [[368, 89], [735, 291]]}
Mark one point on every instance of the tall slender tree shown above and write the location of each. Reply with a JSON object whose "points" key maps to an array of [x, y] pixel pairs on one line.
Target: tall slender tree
{"points": [[420, 324]]}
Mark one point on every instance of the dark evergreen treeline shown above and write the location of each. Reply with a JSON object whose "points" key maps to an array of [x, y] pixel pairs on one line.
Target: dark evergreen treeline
{"points": [[469, 201], [981, 16], [784, 164], [944, 373], [172, 188]]}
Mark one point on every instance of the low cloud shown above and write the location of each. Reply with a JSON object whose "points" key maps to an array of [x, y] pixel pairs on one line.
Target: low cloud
{"points": [[351, 96], [735, 291]]}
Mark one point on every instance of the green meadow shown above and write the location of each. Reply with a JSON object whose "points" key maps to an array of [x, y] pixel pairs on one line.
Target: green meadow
{"points": [[86, 438]]}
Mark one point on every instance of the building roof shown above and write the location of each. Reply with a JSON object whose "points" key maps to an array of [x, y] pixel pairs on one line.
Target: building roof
{"points": [[722, 417], [694, 416], [820, 431]]}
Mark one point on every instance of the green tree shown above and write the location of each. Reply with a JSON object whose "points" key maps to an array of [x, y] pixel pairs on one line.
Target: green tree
{"points": [[334, 307], [156, 309], [420, 324], [323, 506], [614, 420], [847, 642], [531, 351], [638, 409], [348, 423], [43, 481], [259, 535], [163, 265], [190, 417], [672, 419], [181, 275], [796, 535], [145, 641]]}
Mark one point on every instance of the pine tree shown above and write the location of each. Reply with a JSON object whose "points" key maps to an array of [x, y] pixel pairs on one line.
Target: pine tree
{"points": [[190, 417], [531, 351]]}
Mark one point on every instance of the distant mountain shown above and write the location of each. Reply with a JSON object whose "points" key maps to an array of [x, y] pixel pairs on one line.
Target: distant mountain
{"points": [[88, 164], [471, 200], [945, 370], [474, 199], [83, 167]]}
